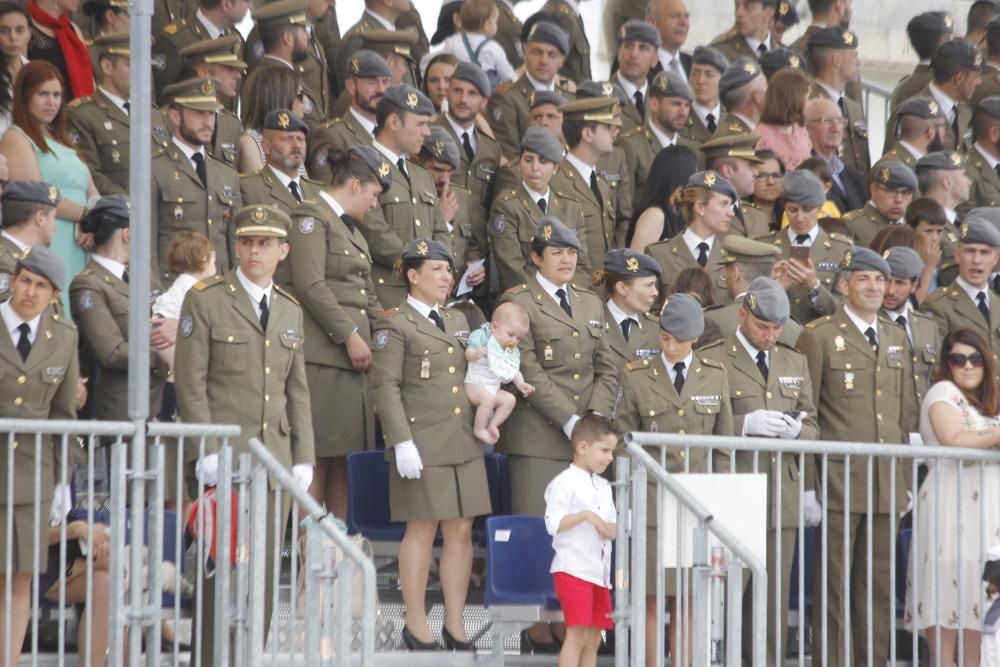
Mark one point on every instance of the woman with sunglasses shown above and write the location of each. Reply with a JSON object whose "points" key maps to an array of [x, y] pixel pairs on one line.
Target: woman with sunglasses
{"points": [[962, 409]]}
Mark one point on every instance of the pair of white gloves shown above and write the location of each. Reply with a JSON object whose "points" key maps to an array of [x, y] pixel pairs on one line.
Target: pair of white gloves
{"points": [[207, 472]]}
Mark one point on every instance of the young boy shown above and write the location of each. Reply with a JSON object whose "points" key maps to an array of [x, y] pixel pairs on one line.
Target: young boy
{"points": [[495, 360], [580, 516], [474, 43]]}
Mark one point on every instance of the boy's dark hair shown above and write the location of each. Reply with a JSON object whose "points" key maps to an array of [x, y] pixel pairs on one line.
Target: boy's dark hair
{"points": [[592, 428]]}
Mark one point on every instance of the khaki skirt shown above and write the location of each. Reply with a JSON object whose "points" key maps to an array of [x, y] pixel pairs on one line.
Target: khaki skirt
{"points": [[341, 411], [528, 478], [23, 551], [441, 493]]}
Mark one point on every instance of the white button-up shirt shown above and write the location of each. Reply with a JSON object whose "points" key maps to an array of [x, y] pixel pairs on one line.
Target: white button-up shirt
{"points": [[580, 551]]}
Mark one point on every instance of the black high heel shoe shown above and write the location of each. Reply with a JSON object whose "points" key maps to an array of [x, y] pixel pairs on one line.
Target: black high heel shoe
{"points": [[529, 646], [452, 644], [414, 644]]}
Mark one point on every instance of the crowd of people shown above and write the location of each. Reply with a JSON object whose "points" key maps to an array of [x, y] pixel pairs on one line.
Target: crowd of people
{"points": [[372, 238]]}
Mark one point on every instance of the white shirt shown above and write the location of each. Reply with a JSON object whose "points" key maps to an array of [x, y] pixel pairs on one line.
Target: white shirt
{"points": [[631, 89], [459, 131], [169, 303], [946, 103], [423, 308], [751, 349], [670, 367], [255, 291], [812, 233], [20, 246], [911, 149], [833, 94], [551, 288], [286, 179], [115, 268], [386, 23], [585, 170], [535, 196], [334, 204], [620, 315], [691, 240], [749, 122], [861, 324], [580, 551], [951, 215], [666, 58], [660, 135], [973, 292], [754, 43], [393, 158], [189, 152], [117, 101], [11, 320], [702, 113], [990, 160], [212, 30], [369, 125], [492, 57], [278, 60], [538, 85]]}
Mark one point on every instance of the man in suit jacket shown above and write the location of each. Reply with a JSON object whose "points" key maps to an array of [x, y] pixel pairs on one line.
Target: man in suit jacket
{"points": [[368, 76], [707, 67], [984, 156], [920, 130], [751, 36], [927, 31], [825, 124], [956, 69], [279, 182], [672, 21]]}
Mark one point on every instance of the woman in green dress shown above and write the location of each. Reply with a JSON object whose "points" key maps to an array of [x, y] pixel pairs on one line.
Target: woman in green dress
{"points": [[37, 148]]}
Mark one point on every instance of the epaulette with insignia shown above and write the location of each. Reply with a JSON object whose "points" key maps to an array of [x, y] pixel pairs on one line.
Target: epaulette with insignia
{"points": [[505, 195], [284, 292], [651, 317], [837, 236], [710, 362], [206, 283], [77, 102], [633, 132], [714, 343], [517, 289], [170, 28]]}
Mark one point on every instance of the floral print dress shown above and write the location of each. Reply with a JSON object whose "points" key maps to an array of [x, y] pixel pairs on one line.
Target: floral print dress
{"points": [[967, 500]]}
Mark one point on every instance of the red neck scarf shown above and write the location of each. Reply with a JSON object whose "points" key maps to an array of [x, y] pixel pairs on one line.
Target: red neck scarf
{"points": [[78, 64]]}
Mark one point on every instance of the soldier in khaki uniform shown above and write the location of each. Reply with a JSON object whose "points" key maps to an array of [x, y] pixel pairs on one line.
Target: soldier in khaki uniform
{"points": [[927, 31], [920, 131], [211, 20], [368, 76], [810, 283], [772, 397], [984, 155], [26, 223], [385, 18], [576, 67], [833, 56], [38, 355], [99, 125], [746, 260], [279, 181], [508, 35], [589, 127], [395, 47], [735, 158], [516, 212], [741, 90], [707, 67], [990, 83], [706, 201], [631, 280], [543, 112], [921, 327], [853, 356], [410, 208], [219, 59], [956, 69], [191, 190], [329, 270], [669, 103], [751, 37], [968, 302], [677, 391], [942, 178], [437, 476], [891, 186], [638, 51], [509, 107], [240, 360]]}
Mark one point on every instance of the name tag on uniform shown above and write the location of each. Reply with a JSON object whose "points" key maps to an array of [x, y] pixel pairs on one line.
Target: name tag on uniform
{"points": [[827, 266], [931, 348], [597, 324], [791, 382], [708, 400], [425, 368], [108, 125], [895, 353], [55, 370], [646, 353], [292, 335]]}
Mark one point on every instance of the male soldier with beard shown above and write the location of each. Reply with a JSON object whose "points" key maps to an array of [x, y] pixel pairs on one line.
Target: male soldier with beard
{"points": [[279, 182]]}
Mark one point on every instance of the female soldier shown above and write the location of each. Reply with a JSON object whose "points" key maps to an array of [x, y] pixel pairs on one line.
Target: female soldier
{"points": [[329, 269], [678, 392], [566, 357], [439, 475], [630, 279]]}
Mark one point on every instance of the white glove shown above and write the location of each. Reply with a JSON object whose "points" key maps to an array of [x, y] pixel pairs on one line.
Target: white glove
{"points": [[812, 511], [303, 474], [62, 503], [764, 423], [408, 462], [793, 426], [568, 426], [207, 470]]}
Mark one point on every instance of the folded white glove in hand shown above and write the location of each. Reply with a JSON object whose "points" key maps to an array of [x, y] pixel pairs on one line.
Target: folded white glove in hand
{"points": [[812, 511], [764, 423], [207, 470], [408, 462], [62, 503], [303, 474], [568, 426], [793, 426]]}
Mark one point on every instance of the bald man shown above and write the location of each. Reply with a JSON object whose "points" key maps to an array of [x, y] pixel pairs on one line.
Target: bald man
{"points": [[825, 124]]}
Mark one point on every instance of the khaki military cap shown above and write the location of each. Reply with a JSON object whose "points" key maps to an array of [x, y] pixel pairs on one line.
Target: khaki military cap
{"points": [[389, 41], [747, 251], [605, 110], [113, 44], [197, 94], [221, 51], [262, 220], [738, 145], [283, 12]]}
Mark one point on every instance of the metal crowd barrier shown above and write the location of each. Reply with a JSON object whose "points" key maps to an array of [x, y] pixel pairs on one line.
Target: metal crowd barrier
{"points": [[946, 464], [876, 103]]}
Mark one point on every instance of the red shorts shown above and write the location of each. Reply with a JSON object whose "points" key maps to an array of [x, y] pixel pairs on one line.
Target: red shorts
{"points": [[583, 603]]}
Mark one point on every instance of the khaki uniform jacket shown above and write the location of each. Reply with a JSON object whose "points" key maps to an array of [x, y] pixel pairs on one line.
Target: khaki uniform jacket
{"points": [[953, 309], [466, 234], [418, 374], [731, 125], [576, 67], [338, 134], [631, 118], [674, 256], [10, 255], [800, 46], [407, 211], [695, 130], [569, 362], [614, 170], [42, 387], [643, 339], [788, 387], [352, 41], [988, 86], [508, 35], [314, 69], [226, 140], [951, 142], [846, 375], [229, 370], [985, 181], [509, 110], [733, 45], [866, 222], [168, 64], [899, 153], [99, 129], [641, 147], [825, 253], [263, 187], [330, 272], [924, 348], [727, 318], [649, 402], [513, 221], [854, 148], [911, 84], [170, 11], [598, 217], [181, 203], [99, 303], [755, 223]]}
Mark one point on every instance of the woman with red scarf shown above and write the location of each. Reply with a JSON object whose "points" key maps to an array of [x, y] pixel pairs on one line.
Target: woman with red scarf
{"points": [[56, 39]]}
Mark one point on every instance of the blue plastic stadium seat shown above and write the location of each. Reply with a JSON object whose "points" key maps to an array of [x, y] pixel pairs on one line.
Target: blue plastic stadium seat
{"points": [[368, 498], [499, 484], [518, 556], [809, 563]]}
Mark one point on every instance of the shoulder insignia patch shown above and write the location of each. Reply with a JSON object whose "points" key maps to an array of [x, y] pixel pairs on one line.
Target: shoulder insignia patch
{"points": [[86, 300], [499, 224], [285, 293], [381, 339], [307, 225], [186, 327]]}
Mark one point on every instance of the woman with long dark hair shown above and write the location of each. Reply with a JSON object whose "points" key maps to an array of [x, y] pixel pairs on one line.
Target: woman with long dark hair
{"points": [[654, 218]]}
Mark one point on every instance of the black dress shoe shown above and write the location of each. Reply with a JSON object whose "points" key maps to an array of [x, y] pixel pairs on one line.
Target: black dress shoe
{"points": [[529, 646], [452, 644], [414, 644]]}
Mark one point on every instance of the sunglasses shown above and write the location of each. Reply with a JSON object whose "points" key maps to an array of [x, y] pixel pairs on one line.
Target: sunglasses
{"points": [[956, 360]]}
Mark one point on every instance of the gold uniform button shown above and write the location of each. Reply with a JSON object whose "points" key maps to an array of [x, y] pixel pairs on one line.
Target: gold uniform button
{"points": [[681, 432], [576, 397], [263, 426], [364, 312], [454, 390], [362, 292], [458, 411], [21, 379], [739, 393], [413, 419], [450, 349], [18, 400], [878, 392], [576, 376], [267, 398], [878, 417], [229, 340], [416, 223], [652, 413], [451, 369], [576, 356], [847, 366], [576, 334], [680, 413], [267, 343], [768, 394]]}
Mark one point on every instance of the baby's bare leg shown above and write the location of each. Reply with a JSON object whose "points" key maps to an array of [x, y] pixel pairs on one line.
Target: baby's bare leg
{"points": [[483, 400], [503, 405]]}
